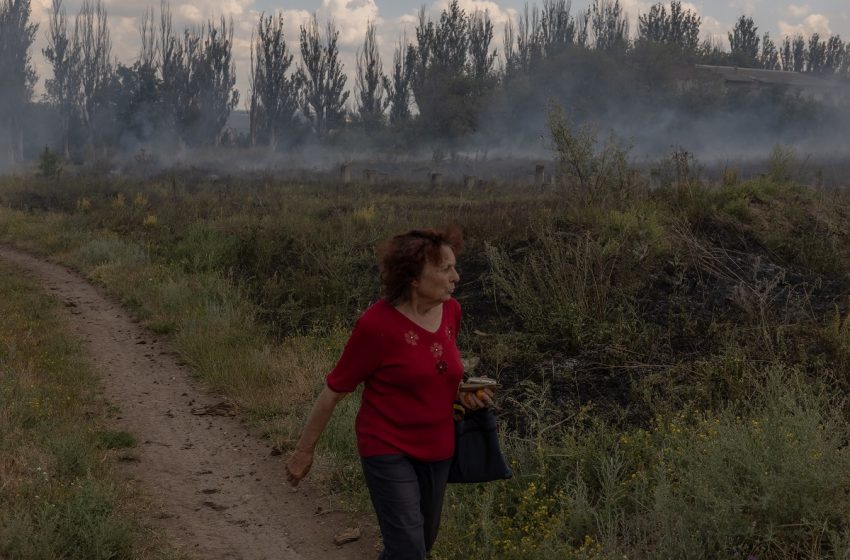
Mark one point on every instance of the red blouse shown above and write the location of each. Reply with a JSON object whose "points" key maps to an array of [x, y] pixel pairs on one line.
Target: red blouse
{"points": [[410, 378]]}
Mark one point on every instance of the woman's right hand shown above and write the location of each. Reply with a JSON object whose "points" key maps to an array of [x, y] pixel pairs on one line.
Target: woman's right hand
{"points": [[475, 400], [298, 466]]}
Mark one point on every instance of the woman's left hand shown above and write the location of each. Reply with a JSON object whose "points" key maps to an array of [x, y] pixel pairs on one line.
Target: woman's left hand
{"points": [[474, 400]]}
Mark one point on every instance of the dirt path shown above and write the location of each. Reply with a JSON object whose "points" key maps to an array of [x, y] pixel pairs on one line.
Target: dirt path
{"points": [[219, 490]]}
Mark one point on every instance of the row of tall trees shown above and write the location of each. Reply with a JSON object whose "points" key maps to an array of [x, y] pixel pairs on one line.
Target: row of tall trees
{"points": [[181, 87], [448, 71], [816, 55]]}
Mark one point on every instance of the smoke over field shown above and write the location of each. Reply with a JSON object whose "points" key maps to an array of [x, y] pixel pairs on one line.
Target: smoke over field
{"points": [[447, 91]]}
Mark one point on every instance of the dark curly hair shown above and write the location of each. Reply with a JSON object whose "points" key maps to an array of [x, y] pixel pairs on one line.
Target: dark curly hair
{"points": [[402, 257]]}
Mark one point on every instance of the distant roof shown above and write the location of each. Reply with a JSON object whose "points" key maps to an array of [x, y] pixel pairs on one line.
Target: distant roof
{"points": [[774, 77]]}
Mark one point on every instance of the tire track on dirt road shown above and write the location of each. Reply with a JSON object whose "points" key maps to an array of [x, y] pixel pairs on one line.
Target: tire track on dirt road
{"points": [[219, 492]]}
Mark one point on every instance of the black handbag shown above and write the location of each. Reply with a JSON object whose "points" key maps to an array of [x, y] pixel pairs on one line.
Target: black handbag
{"points": [[478, 457]]}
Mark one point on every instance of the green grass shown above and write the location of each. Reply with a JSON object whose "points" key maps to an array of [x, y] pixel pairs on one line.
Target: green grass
{"points": [[57, 496], [656, 346]]}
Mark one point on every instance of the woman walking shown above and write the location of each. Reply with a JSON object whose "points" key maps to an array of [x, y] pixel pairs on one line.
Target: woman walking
{"points": [[403, 349]]}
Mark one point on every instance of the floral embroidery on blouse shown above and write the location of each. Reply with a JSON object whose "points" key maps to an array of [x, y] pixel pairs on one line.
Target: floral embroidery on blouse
{"points": [[411, 338], [449, 333], [437, 350]]}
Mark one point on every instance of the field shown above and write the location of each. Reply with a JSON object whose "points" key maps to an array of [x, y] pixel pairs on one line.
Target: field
{"points": [[675, 358]]}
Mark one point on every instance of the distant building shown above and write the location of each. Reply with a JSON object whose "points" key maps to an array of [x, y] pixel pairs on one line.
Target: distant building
{"points": [[818, 87]]}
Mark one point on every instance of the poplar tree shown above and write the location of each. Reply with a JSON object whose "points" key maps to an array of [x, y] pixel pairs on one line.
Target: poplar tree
{"points": [[834, 56], [816, 55], [274, 93], [844, 66], [530, 39], [679, 27], [441, 85], [93, 44], [397, 85], [137, 89], [216, 73], [172, 77], [798, 53], [369, 82], [481, 58], [201, 82], [540, 34], [558, 29], [744, 42], [63, 88], [786, 55], [769, 54], [321, 77], [17, 76], [609, 26]]}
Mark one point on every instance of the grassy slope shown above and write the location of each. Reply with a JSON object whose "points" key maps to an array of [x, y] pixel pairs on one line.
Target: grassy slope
{"points": [[672, 357]]}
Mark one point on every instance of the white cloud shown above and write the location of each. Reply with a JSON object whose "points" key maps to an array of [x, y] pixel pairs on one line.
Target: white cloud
{"points": [[40, 10], [814, 23], [351, 18], [190, 13], [714, 28], [798, 11], [124, 32], [635, 7]]}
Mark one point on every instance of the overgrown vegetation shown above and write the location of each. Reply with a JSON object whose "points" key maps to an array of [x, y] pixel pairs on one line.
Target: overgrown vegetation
{"points": [[57, 499], [674, 358]]}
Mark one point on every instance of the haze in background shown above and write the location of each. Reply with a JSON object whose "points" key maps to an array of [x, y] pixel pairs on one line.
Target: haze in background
{"points": [[650, 96]]}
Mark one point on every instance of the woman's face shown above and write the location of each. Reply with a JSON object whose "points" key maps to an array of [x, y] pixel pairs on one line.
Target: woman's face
{"points": [[437, 281]]}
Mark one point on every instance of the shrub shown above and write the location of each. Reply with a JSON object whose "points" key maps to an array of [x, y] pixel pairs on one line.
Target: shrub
{"points": [[781, 163], [598, 172], [49, 164], [559, 286]]}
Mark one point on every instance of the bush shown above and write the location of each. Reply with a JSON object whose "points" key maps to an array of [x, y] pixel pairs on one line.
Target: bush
{"points": [[49, 164], [597, 172], [560, 286], [781, 163]]}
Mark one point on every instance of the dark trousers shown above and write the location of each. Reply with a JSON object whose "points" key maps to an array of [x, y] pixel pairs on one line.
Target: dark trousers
{"points": [[408, 498]]}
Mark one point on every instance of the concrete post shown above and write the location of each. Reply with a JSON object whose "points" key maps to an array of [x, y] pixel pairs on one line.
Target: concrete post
{"points": [[345, 174], [539, 175], [436, 180], [469, 181]]}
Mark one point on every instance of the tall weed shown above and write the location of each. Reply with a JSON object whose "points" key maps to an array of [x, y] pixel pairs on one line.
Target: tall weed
{"points": [[562, 285]]}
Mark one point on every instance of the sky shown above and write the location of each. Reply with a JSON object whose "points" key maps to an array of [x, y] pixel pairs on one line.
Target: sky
{"points": [[395, 18]]}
